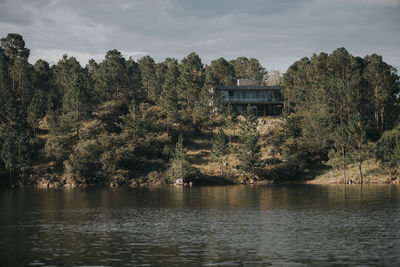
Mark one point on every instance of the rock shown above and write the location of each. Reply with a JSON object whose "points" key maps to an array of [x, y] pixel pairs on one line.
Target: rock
{"points": [[133, 184], [178, 182]]}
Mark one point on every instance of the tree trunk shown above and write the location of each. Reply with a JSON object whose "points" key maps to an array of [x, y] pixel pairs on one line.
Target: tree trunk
{"points": [[376, 107], [10, 176], [359, 163], [344, 164]]}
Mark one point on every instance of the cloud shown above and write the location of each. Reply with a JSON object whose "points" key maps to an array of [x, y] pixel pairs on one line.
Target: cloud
{"points": [[275, 32]]}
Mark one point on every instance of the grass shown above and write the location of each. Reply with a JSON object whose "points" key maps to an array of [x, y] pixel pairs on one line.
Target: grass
{"points": [[371, 172]]}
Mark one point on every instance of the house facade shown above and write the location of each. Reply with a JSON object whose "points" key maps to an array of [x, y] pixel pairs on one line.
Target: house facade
{"points": [[264, 100]]}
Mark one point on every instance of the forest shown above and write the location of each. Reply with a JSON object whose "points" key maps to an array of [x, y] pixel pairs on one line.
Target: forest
{"points": [[137, 122]]}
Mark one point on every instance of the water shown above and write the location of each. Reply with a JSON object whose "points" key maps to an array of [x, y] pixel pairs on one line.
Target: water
{"points": [[205, 226]]}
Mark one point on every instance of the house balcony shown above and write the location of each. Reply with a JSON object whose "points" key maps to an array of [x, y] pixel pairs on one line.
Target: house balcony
{"points": [[240, 100]]}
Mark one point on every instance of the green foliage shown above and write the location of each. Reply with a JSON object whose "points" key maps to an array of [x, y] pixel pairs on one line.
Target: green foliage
{"points": [[220, 72], [168, 100], [36, 109], [106, 122], [342, 105], [249, 69], [388, 151], [76, 106], [249, 155], [147, 68], [191, 79], [220, 149], [180, 166]]}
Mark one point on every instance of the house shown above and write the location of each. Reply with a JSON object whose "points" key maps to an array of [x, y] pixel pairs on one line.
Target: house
{"points": [[265, 100]]}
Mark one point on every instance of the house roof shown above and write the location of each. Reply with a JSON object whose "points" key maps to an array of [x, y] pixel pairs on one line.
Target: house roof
{"points": [[249, 87]]}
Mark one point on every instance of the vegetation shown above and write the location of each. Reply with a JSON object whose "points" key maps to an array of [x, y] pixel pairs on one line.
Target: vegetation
{"points": [[337, 109], [122, 121]]}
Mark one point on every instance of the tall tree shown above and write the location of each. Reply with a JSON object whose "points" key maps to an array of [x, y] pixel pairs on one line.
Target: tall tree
{"points": [[249, 155], [220, 149], [76, 105], [147, 68], [191, 79], [383, 83], [111, 79], [220, 72], [168, 100], [249, 69]]}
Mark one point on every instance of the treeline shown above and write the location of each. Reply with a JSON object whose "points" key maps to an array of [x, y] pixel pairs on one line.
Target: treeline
{"points": [[114, 121], [109, 121], [342, 110]]}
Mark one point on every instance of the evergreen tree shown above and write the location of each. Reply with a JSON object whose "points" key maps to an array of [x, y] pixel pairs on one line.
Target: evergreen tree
{"points": [[180, 166], [249, 69], [76, 105], [36, 110], [111, 78], [388, 151], [133, 125], [147, 68], [220, 72], [249, 155], [168, 100], [191, 79], [220, 149]]}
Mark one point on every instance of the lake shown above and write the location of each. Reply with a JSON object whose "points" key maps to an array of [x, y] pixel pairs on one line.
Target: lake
{"points": [[289, 225]]}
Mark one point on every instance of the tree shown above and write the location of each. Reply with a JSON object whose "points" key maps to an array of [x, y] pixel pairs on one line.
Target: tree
{"points": [[76, 106], [36, 110], [273, 77], [388, 150], [383, 83], [231, 121], [147, 68], [249, 69], [20, 71], [112, 80], [191, 79], [220, 72], [249, 155], [220, 149], [168, 100], [181, 169], [14, 48], [132, 125], [16, 152], [358, 141], [8, 154]]}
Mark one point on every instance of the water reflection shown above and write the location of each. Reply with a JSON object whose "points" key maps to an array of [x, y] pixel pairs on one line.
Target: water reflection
{"points": [[230, 225]]}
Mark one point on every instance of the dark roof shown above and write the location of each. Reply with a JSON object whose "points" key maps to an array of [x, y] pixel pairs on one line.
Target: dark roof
{"points": [[250, 87]]}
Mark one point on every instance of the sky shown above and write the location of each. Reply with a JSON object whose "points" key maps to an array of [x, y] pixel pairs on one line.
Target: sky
{"points": [[277, 33]]}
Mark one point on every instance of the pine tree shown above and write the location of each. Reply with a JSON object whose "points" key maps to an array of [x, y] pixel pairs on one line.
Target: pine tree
{"points": [[181, 169], [249, 155], [220, 149], [36, 110], [133, 125], [388, 151], [147, 68], [191, 79], [76, 104], [168, 100]]}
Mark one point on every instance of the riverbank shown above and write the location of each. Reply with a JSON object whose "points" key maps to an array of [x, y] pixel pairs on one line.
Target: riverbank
{"points": [[372, 173]]}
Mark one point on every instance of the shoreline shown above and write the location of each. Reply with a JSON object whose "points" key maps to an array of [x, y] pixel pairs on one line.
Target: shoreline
{"points": [[135, 184]]}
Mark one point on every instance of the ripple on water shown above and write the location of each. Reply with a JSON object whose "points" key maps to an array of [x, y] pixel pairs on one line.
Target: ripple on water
{"points": [[296, 226]]}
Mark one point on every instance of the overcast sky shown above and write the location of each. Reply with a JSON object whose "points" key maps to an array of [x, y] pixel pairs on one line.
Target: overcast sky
{"points": [[275, 32]]}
